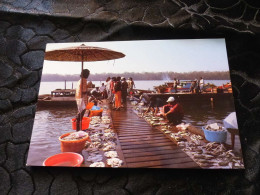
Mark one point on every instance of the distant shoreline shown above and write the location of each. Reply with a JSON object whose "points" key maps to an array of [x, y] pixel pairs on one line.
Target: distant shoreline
{"points": [[138, 80], [167, 76]]}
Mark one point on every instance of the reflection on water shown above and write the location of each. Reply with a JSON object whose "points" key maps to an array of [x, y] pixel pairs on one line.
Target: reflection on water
{"points": [[48, 125], [51, 123], [201, 114]]}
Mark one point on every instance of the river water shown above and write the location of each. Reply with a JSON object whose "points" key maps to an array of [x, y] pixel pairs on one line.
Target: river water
{"points": [[50, 123], [47, 87]]}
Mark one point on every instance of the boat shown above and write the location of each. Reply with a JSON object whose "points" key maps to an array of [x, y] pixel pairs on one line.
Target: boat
{"points": [[184, 87], [167, 87], [58, 97]]}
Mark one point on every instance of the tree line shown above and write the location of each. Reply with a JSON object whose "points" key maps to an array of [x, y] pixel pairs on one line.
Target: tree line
{"points": [[208, 75]]}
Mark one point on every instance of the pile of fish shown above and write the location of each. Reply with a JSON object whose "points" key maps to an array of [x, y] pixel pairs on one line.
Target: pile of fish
{"points": [[211, 155], [215, 127], [75, 136], [102, 148], [214, 155]]}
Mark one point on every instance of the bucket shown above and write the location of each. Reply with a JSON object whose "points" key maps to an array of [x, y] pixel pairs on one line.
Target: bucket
{"points": [[84, 123], [96, 112], [72, 145], [89, 105], [215, 136], [66, 159]]}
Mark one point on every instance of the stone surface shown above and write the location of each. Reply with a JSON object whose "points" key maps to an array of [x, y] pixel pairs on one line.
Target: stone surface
{"points": [[17, 95], [24, 112], [33, 60], [63, 184], [15, 156], [63, 21], [5, 181], [11, 81], [146, 183], [2, 46], [42, 181], [5, 93], [5, 105], [22, 131], [39, 42], [2, 153], [3, 25], [21, 183], [28, 95], [14, 49], [5, 70], [18, 32], [29, 79]]}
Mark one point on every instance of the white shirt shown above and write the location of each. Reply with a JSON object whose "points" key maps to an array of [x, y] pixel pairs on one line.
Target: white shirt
{"points": [[102, 88], [201, 81]]}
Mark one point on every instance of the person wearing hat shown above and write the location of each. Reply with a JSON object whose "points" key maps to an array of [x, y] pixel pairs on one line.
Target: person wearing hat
{"points": [[173, 111]]}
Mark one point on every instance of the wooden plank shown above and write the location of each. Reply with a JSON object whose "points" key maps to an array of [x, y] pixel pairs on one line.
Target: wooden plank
{"points": [[186, 165], [179, 162], [156, 157], [138, 153], [142, 139], [144, 142], [170, 147], [146, 145], [137, 134], [133, 136]]}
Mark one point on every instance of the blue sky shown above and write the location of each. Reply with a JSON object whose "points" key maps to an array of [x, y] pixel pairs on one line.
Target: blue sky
{"points": [[182, 55]]}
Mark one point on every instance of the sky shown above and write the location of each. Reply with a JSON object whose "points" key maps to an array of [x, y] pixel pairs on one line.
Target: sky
{"points": [[182, 55]]}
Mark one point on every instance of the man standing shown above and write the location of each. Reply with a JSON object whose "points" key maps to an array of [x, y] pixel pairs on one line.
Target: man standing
{"points": [[131, 86], [175, 84], [108, 81], [81, 96], [173, 111], [102, 90], [201, 84], [124, 87]]}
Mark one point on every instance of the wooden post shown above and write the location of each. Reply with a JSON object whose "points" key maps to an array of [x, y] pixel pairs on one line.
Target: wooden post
{"points": [[65, 85]]}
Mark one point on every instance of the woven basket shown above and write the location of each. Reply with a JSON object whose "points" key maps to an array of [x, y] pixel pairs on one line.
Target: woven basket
{"points": [[73, 145]]}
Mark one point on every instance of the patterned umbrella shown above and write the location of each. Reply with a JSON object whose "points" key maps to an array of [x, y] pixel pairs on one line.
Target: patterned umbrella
{"points": [[82, 54]]}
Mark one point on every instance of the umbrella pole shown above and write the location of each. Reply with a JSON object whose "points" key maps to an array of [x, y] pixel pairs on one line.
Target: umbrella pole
{"points": [[81, 89]]}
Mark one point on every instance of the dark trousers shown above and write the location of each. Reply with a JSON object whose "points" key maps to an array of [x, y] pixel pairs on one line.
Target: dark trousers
{"points": [[124, 95], [79, 118], [174, 118]]}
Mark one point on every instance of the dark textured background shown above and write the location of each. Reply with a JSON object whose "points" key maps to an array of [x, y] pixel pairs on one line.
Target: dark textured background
{"points": [[26, 26]]}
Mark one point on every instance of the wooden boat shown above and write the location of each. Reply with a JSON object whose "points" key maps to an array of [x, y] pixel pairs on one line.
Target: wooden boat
{"points": [[58, 97]]}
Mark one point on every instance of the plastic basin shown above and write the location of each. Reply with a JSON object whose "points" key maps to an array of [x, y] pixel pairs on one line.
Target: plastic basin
{"points": [[72, 145], [89, 105], [215, 136], [66, 159], [96, 112], [84, 123]]}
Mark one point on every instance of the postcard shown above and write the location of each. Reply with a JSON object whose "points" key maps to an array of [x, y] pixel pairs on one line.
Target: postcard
{"points": [[136, 104]]}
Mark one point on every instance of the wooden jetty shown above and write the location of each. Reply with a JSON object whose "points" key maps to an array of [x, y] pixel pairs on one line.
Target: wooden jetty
{"points": [[144, 146]]}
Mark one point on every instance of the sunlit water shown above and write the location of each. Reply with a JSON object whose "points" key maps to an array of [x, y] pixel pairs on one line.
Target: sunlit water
{"points": [[47, 87], [51, 123]]}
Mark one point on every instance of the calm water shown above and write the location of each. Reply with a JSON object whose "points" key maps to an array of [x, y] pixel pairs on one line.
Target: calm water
{"points": [[47, 87], [50, 123]]}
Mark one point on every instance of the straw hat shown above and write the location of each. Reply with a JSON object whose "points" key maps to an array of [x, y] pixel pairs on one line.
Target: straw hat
{"points": [[171, 99]]}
